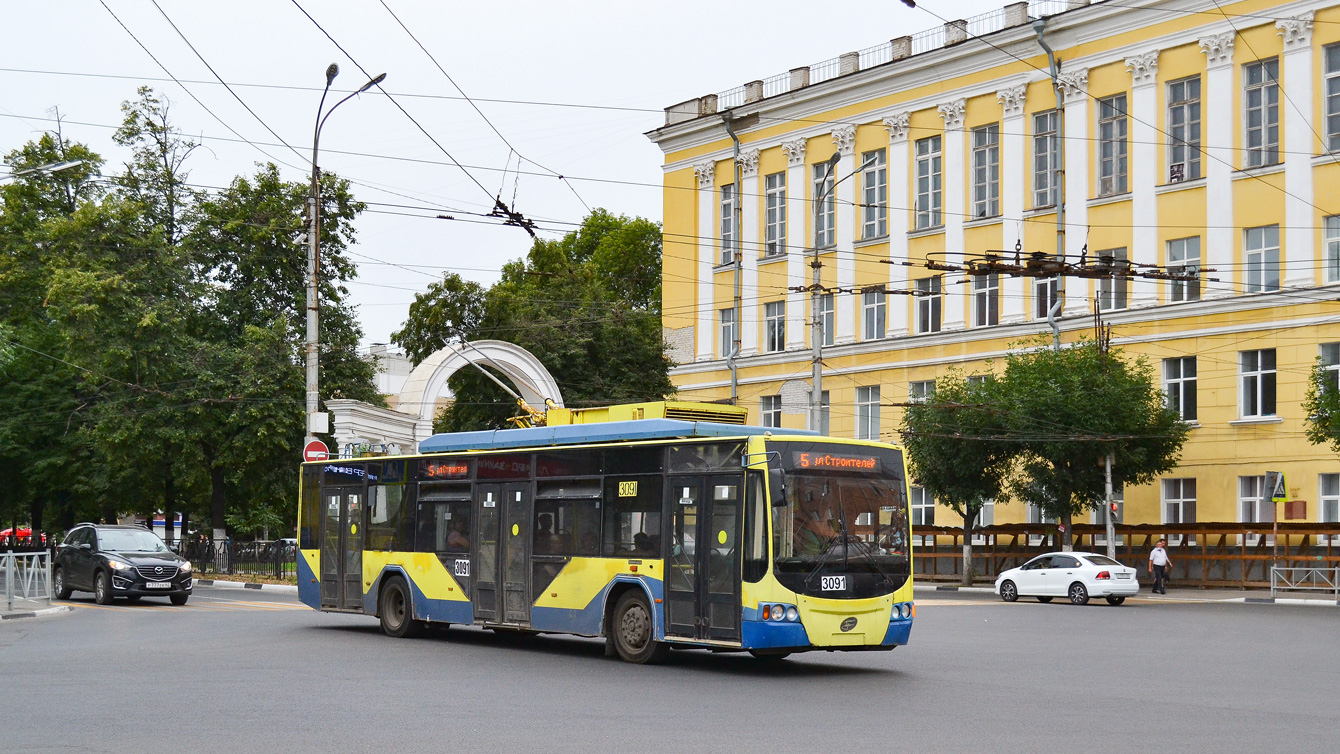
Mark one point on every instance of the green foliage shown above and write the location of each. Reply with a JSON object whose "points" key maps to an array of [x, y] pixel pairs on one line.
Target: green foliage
{"points": [[586, 305], [1321, 406]]}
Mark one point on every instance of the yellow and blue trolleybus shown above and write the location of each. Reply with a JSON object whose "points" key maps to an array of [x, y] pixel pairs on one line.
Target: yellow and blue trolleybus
{"points": [[652, 534]]}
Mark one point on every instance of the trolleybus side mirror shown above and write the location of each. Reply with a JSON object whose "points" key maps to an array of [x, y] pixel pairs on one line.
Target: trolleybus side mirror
{"points": [[776, 487]]}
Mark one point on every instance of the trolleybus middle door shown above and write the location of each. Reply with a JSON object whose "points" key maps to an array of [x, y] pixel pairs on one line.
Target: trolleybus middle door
{"points": [[502, 560], [342, 548], [703, 570]]}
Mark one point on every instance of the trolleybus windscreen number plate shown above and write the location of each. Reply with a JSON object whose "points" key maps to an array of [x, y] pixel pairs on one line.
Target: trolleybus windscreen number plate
{"points": [[832, 583]]}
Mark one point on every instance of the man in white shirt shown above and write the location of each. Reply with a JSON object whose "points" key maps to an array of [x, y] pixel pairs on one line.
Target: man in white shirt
{"points": [[1158, 565]]}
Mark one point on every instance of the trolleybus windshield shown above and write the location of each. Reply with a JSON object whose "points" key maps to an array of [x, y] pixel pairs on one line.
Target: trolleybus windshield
{"points": [[840, 530]]}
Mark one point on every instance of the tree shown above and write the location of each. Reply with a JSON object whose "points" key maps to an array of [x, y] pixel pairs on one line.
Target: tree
{"points": [[955, 450], [1321, 406], [1068, 409], [586, 305]]}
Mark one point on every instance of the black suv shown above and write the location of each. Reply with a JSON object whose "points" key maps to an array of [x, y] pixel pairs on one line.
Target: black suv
{"points": [[119, 561]]}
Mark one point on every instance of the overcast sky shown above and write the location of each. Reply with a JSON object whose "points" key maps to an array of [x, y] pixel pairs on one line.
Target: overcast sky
{"points": [[584, 82]]}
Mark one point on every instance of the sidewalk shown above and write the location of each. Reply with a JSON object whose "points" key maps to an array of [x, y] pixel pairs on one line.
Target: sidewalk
{"points": [[29, 609], [1242, 596]]}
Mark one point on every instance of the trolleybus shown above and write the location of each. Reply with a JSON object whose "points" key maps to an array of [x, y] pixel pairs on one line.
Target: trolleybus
{"points": [[652, 534]]}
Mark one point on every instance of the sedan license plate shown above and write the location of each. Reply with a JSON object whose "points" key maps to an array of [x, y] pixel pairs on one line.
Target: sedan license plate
{"points": [[833, 583], [1123, 575], [158, 585]]}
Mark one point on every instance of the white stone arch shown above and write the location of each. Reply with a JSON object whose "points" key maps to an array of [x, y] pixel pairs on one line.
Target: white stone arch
{"points": [[428, 381]]}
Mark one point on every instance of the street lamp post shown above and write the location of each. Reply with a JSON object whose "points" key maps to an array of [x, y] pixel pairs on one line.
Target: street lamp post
{"points": [[319, 421]]}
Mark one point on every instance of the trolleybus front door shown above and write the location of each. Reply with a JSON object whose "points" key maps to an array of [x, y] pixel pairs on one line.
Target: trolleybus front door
{"points": [[342, 548], [502, 558], [702, 592]]}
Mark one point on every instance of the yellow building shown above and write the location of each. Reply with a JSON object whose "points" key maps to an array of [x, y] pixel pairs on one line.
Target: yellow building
{"points": [[1190, 139]]}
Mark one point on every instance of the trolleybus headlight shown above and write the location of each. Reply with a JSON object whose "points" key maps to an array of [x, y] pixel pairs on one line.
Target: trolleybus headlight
{"points": [[777, 612], [792, 614]]}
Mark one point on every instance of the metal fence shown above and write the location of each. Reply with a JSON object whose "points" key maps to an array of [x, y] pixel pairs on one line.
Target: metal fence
{"points": [[1203, 555], [277, 558], [26, 577], [1305, 579]]}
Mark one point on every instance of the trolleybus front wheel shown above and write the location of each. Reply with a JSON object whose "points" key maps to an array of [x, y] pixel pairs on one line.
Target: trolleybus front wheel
{"points": [[397, 610], [633, 633]]}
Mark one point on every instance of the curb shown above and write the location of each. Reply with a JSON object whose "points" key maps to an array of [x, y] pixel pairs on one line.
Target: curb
{"points": [[245, 585], [943, 588], [37, 613], [1275, 601]]}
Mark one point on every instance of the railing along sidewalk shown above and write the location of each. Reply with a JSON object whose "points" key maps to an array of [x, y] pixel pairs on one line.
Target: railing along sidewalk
{"points": [[27, 577], [1305, 579]]}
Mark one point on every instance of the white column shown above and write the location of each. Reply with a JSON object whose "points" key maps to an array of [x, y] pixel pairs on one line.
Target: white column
{"points": [[1217, 161], [955, 194], [749, 250], [1299, 237], [1074, 91], [707, 248], [1144, 173], [898, 217], [795, 242], [1013, 187], [844, 304]]}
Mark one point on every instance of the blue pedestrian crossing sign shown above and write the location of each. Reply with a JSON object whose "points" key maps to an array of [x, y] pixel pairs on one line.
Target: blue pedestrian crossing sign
{"points": [[1275, 486]]}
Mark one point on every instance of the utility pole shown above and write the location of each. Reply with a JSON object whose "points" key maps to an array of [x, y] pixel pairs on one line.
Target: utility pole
{"points": [[816, 317], [1111, 529]]}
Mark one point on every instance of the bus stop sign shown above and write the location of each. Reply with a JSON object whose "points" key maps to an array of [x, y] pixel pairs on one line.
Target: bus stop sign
{"points": [[315, 451]]}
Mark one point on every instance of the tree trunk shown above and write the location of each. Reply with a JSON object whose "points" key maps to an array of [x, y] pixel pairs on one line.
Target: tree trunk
{"points": [[169, 502], [968, 521], [35, 519], [218, 502], [1067, 536]]}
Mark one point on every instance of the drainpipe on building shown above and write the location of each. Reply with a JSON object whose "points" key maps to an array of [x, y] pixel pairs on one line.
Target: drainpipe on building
{"points": [[738, 216], [1039, 26]]}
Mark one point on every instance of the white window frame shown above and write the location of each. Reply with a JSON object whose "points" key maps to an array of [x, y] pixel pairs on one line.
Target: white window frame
{"points": [[1045, 292], [930, 308], [986, 300], [1332, 252], [1329, 355], [874, 318], [1258, 384], [774, 215], [1033, 514], [1184, 129], [1113, 292], [875, 195], [1261, 143], [920, 508], [1046, 153], [1261, 259], [1330, 56], [824, 413], [1328, 503], [827, 324], [774, 318], [825, 233], [986, 171], [770, 410], [1180, 388], [929, 183], [867, 412], [1184, 258], [920, 391], [1178, 505], [728, 235], [1113, 169], [1254, 507], [986, 516], [726, 326]]}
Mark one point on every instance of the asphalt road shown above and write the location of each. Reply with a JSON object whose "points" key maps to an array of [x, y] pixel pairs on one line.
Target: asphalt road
{"points": [[251, 671]]}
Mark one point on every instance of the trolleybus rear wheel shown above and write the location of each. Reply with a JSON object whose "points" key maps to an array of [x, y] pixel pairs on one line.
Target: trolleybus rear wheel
{"points": [[396, 611], [634, 637]]}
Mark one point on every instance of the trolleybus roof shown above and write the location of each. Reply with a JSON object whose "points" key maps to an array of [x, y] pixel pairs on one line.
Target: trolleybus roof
{"points": [[582, 434]]}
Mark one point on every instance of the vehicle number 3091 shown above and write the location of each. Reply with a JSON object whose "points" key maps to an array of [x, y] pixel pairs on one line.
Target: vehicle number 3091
{"points": [[833, 583]]}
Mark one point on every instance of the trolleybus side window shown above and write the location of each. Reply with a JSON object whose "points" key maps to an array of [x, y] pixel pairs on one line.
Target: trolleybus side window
{"points": [[755, 529], [567, 517], [706, 457], [311, 508], [633, 516], [444, 524], [387, 516]]}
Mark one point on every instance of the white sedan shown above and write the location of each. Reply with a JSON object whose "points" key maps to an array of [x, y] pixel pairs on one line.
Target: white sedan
{"points": [[1076, 575]]}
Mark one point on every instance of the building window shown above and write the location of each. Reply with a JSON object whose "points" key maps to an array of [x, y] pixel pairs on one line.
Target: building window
{"points": [[774, 318], [774, 214], [1045, 291], [872, 311], [1261, 252], [874, 195], [920, 391], [1253, 505], [867, 413], [1333, 249], [1330, 362], [986, 516], [986, 300], [826, 221], [728, 224], [1036, 515], [1328, 502], [1184, 130], [930, 302], [922, 504], [1257, 370], [826, 317], [770, 409], [1261, 113], [1179, 384], [823, 413], [727, 332], [1184, 259], [1179, 506], [1046, 155], [986, 171], [1112, 145], [929, 175], [1332, 95], [1112, 289], [980, 379]]}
